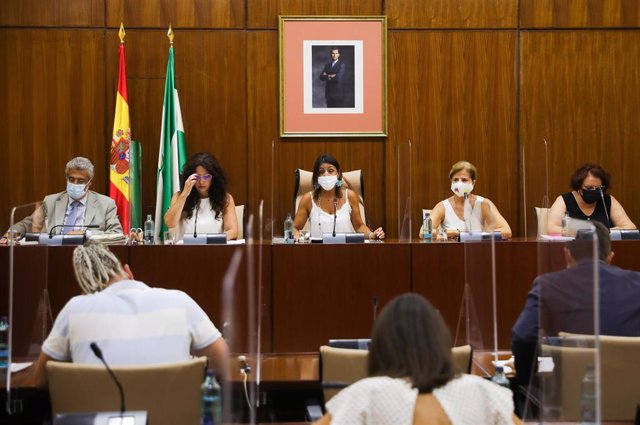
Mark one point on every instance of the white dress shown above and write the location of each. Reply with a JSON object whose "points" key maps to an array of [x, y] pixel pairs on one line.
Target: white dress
{"points": [[206, 220], [322, 222], [467, 400], [452, 221]]}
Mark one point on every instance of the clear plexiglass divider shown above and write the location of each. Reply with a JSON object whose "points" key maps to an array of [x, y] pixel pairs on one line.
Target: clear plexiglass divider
{"points": [[404, 200], [566, 373], [477, 322], [241, 322], [25, 305]]}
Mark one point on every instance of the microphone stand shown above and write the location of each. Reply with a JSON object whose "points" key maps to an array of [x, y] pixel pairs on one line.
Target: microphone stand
{"points": [[195, 224], [98, 352], [604, 204], [467, 217], [335, 214]]}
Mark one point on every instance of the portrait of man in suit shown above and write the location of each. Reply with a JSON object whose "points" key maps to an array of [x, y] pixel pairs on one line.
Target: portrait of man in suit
{"points": [[333, 85], [333, 74]]}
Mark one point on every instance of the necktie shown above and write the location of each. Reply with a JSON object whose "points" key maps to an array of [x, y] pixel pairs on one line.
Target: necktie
{"points": [[72, 217]]}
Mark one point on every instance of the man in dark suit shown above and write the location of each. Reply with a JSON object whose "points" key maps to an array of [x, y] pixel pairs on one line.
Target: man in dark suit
{"points": [[333, 75], [563, 300], [74, 208]]}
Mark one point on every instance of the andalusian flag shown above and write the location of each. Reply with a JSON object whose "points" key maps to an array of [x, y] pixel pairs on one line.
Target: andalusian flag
{"points": [[173, 148], [120, 170]]}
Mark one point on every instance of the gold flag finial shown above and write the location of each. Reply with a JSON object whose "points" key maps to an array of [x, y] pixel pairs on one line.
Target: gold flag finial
{"points": [[170, 35], [121, 33]]}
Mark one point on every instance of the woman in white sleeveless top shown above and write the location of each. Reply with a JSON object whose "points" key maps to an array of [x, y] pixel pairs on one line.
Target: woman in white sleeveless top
{"points": [[203, 205], [465, 210], [412, 380], [329, 201]]}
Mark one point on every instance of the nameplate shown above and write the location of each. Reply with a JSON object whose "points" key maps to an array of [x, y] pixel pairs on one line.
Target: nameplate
{"points": [[340, 238], [102, 418], [355, 344], [205, 239], [58, 240], [623, 234], [478, 236]]}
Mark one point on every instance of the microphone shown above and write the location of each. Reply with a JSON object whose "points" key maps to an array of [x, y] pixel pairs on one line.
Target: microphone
{"points": [[467, 211], [335, 215], [374, 305], [98, 352], [605, 208], [88, 226], [195, 224]]}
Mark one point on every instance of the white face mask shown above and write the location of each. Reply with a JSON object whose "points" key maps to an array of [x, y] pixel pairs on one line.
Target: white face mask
{"points": [[459, 188], [328, 182], [76, 191]]}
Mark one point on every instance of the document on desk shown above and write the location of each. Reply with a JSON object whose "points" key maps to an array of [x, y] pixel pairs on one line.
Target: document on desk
{"points": [[556, 238], [17, 367]]}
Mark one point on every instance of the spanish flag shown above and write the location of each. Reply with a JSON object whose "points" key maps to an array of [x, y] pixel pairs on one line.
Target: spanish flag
{"points": [[120, 160]]}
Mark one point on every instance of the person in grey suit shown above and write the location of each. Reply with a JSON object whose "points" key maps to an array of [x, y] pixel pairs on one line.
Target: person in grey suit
{"points": [[76, 207]]}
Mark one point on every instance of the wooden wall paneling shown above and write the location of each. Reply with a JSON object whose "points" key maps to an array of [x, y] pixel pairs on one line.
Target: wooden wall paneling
{"points": [[52, 83], [264, 13], [211, 86], [453, 95], [581, 91], [579, 13], [366, 154], [179, 13], [67, 13], [322, 304], [452, 14]]}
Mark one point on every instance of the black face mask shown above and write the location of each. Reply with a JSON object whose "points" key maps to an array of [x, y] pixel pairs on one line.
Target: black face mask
{"points": [[591, 196]]}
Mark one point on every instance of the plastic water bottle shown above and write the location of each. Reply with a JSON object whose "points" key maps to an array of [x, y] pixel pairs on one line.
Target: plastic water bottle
{"points": [[288, 229], [427, 228], [149, 230], [210, 402], [565, 224], [4, 348], [500, 378], [588, 396]]}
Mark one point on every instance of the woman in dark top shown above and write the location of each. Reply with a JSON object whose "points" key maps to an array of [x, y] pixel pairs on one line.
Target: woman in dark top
{"points": [[589, 201]]}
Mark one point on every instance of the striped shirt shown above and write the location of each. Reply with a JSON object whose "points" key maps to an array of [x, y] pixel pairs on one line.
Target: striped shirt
{"points": [[133, 324]]}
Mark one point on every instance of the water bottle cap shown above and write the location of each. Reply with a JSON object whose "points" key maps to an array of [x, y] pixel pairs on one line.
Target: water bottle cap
{"points": [[499, 369]]}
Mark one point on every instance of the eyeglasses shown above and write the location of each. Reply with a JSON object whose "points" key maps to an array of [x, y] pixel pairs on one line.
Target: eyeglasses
{"points": [[74, 180], [602, 188], [206, 177]]}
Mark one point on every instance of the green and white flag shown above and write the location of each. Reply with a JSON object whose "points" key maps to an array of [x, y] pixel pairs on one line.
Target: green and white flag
{"points": [[173, 149]]}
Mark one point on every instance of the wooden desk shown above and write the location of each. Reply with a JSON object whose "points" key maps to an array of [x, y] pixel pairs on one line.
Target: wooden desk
{"points": [[309, 292], [326, 291]]}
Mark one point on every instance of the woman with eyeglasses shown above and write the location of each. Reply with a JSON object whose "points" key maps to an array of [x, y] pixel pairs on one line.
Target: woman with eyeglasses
{"points": [[589, 201], [330, 203], [203, 205]]}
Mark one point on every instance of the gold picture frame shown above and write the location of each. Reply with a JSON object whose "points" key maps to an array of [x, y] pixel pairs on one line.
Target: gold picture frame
{"points": [[333, 76]]}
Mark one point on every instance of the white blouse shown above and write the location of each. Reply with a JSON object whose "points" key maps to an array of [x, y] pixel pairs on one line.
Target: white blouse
{"points": [[322, 222], [452, 221], [466, 400], [206, 221]]}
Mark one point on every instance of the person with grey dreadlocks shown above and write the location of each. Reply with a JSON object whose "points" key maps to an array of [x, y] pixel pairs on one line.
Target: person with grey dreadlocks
{"points": [[131, 322]]}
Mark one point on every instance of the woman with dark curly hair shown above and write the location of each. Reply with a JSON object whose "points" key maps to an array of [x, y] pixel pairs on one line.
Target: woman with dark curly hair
{"points": [[331, 203], [589, 201], [203, 205], [412, 379]]}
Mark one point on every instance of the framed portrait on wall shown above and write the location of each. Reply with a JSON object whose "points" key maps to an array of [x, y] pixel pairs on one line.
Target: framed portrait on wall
{"points": [[333, 76]]}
